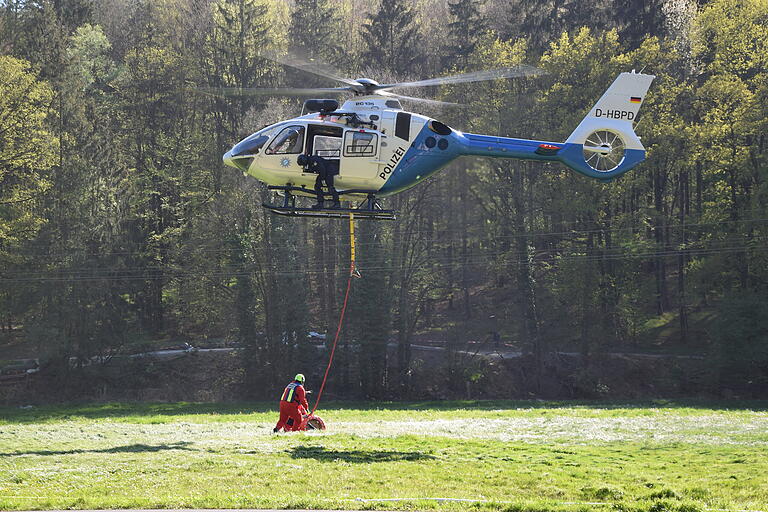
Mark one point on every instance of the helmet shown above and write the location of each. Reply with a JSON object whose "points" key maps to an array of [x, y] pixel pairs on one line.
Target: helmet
{"points": [[299, 377]]}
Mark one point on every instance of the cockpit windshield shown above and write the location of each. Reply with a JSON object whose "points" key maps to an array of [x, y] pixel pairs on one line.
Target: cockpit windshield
{"points": [[251, 145]]}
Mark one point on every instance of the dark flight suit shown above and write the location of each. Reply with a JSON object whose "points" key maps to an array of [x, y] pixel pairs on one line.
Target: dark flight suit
{"points": [[325, 173]]}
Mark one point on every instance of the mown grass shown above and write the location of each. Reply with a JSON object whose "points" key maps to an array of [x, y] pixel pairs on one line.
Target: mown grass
{"points": [[507, 455]]}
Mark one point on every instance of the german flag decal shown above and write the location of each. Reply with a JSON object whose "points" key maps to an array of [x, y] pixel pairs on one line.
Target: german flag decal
{"points": [[635, 99]]}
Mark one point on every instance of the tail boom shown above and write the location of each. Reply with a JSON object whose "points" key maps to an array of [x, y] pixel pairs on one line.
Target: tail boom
{"points": [[570, 154], [603, 146]]}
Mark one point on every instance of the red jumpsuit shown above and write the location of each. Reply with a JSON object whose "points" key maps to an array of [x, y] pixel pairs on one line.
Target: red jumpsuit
{"points": [[293, 403]]}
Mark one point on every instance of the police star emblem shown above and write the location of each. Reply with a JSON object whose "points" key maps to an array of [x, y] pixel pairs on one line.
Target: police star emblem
{"points": [[285, 162]]}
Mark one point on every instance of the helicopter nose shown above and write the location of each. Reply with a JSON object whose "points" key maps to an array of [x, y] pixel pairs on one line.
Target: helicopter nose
{"points": [[240, 163], [228, 159]]}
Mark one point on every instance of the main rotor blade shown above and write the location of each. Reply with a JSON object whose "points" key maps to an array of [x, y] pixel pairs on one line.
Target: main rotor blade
{"points": [[477, 76], [310, 66], [279, 91], [420, 100]]}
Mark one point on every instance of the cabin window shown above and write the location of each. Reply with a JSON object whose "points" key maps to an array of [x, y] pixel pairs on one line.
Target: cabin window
{"points": [[327, 147], [289, 141], [360, 144]]}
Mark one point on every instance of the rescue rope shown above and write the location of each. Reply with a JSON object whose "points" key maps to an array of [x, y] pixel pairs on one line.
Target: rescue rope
{"points": [[352, 273]]}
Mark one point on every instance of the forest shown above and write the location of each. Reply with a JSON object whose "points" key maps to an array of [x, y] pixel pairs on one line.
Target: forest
{"points": [[120, 227]]}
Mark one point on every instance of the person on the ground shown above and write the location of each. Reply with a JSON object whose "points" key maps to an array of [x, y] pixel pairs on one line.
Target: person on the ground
{"points": [[293, 405], [325, 171]]}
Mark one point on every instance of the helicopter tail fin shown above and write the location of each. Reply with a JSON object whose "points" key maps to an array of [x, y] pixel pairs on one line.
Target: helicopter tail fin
{"points": [[604, 145]]}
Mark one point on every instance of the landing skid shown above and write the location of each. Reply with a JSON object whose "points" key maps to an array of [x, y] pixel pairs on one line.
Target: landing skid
{"points": [[331, 213], [367, 209]]}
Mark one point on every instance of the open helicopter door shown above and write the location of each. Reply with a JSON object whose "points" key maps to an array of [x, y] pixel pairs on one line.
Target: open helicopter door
{"points": [[359, 162], [325, 141]]}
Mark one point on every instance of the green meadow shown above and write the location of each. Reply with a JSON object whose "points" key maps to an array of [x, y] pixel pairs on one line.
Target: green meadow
{"points": [[500, 455]]}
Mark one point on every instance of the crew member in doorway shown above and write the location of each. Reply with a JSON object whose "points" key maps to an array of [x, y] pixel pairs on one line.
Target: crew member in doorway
{"points": [[293, 405], [325, 172]]}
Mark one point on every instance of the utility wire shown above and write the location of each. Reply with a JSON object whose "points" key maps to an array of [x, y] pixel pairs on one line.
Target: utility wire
{"points": [[485, 260], [597, 254], [440, 236], [439, 257]]}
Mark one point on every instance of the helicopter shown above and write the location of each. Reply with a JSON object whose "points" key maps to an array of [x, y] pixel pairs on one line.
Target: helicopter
{"points": [[378, 149]]}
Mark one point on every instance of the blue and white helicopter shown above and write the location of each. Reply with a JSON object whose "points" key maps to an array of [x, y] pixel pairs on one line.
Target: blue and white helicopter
{"points": [[377, 149]]}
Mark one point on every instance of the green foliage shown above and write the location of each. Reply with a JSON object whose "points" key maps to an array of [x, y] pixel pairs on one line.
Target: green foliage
{"points": [[240, 32], [732, 38], [392, 38], [27, 154], [543, 23], [89, 59], [121, 222], [639, 20], [575, 65], [315, 29], [466, 28]]}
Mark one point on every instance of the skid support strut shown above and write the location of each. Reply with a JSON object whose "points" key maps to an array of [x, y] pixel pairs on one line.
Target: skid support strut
{"points": [[289, 200]]}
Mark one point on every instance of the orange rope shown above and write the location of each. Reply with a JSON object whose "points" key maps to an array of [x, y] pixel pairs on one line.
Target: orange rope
{"points": [[352, 273]]}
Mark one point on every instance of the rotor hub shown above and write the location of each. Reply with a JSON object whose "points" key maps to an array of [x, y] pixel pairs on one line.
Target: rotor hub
{"points": [[365, 86]]}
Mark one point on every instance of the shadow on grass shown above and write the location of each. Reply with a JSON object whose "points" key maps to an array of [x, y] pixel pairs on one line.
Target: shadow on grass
{"points": [[131, 448], [163, 412], [354, 456]]}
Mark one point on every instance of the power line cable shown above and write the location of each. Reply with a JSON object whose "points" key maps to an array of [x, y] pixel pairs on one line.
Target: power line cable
{"points": [[168, 274], [438, 238]]}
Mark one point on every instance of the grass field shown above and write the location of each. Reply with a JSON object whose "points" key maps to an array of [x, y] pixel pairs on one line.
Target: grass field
{"points": [[506, 455]]}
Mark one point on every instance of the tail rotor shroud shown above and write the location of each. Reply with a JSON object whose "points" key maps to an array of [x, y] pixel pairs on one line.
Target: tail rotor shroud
{"points": [[604, 150]]}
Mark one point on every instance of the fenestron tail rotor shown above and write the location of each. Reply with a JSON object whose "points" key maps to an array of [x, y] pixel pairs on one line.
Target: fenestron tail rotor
{"points": [[604, 150]]}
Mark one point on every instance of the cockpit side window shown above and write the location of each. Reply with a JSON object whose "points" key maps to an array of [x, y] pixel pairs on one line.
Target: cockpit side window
{"points": [[289, 141]]}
